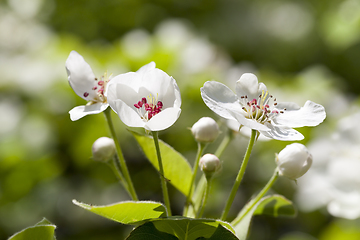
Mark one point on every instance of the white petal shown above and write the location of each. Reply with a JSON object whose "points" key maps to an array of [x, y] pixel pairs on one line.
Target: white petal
{"points": [[233, 125], [252, 124], [146, 67], [158, 83], [163, 120], [121, 88], [81, 111], [80, 76], [311, 114], [248, 86], [220, 99], [282, 133], [127, 114]]}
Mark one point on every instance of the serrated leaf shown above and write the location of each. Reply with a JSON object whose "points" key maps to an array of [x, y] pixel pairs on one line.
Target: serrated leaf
{"points": [[176, 168], [183, 229], [274, 204], [128, 212], [43, 230]]}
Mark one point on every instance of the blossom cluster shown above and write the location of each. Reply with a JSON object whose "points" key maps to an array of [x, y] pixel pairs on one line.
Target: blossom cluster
{"points": [[160, 100], [150, 99]]}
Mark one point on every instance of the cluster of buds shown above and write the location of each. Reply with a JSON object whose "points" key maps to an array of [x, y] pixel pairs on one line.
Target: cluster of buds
{"points": [[205, 130], [293, 161]]}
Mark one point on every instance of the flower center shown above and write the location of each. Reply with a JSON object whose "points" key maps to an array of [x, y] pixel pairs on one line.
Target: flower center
{"points": [[99, 88], [148, 107], [261, 109]]}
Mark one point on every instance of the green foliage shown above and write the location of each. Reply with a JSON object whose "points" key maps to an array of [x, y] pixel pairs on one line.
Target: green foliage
{"points": [[176, 168], [127, 212], [43, 230], [183, 228], [274, 205]]}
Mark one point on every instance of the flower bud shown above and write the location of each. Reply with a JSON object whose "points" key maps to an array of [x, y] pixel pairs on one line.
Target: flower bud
{"points": [[209, 164], [103, 149], [294, 161], [205, 130]]}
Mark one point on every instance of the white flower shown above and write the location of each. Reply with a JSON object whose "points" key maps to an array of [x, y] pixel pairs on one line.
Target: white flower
{"points": [[334, 180], [254, 107], [294, 161], [205, 130], [103, 149], [85, 85], [148, 98]]}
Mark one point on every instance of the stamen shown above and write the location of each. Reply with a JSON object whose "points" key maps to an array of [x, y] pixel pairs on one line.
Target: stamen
{"points": [[259, 109], [86, 94], [148, 107]]}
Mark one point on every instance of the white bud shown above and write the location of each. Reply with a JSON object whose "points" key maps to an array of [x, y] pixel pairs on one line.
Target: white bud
{"points": [[205, 130], [294, 161], [209, 164], [103, 149]]}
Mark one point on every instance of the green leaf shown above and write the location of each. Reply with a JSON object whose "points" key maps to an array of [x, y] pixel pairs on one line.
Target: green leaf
{"points": [[221, 233], [128, 212], [43, 230], [148, 231], [274, 205], [183, 229], [176, 168]]}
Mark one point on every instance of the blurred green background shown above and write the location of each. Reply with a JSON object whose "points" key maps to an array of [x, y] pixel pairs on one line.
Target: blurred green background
{"points": [[300, 49]]}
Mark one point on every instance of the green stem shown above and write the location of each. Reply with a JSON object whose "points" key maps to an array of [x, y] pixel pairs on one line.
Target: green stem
{"points": [[257, 198], [162, 177], [121, 160], [201, 186], [201, 148], [114, 165], [239, 176], [205, 197]]}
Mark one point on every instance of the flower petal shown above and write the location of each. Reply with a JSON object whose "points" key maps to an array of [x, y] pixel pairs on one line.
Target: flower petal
{"points": [[124, 87], [146, 67], [81, 77], [282, 133], [81, 111], [248, 86], [250, 123], [220, 99], [311, 114], [163, 120], [127, 114]]}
